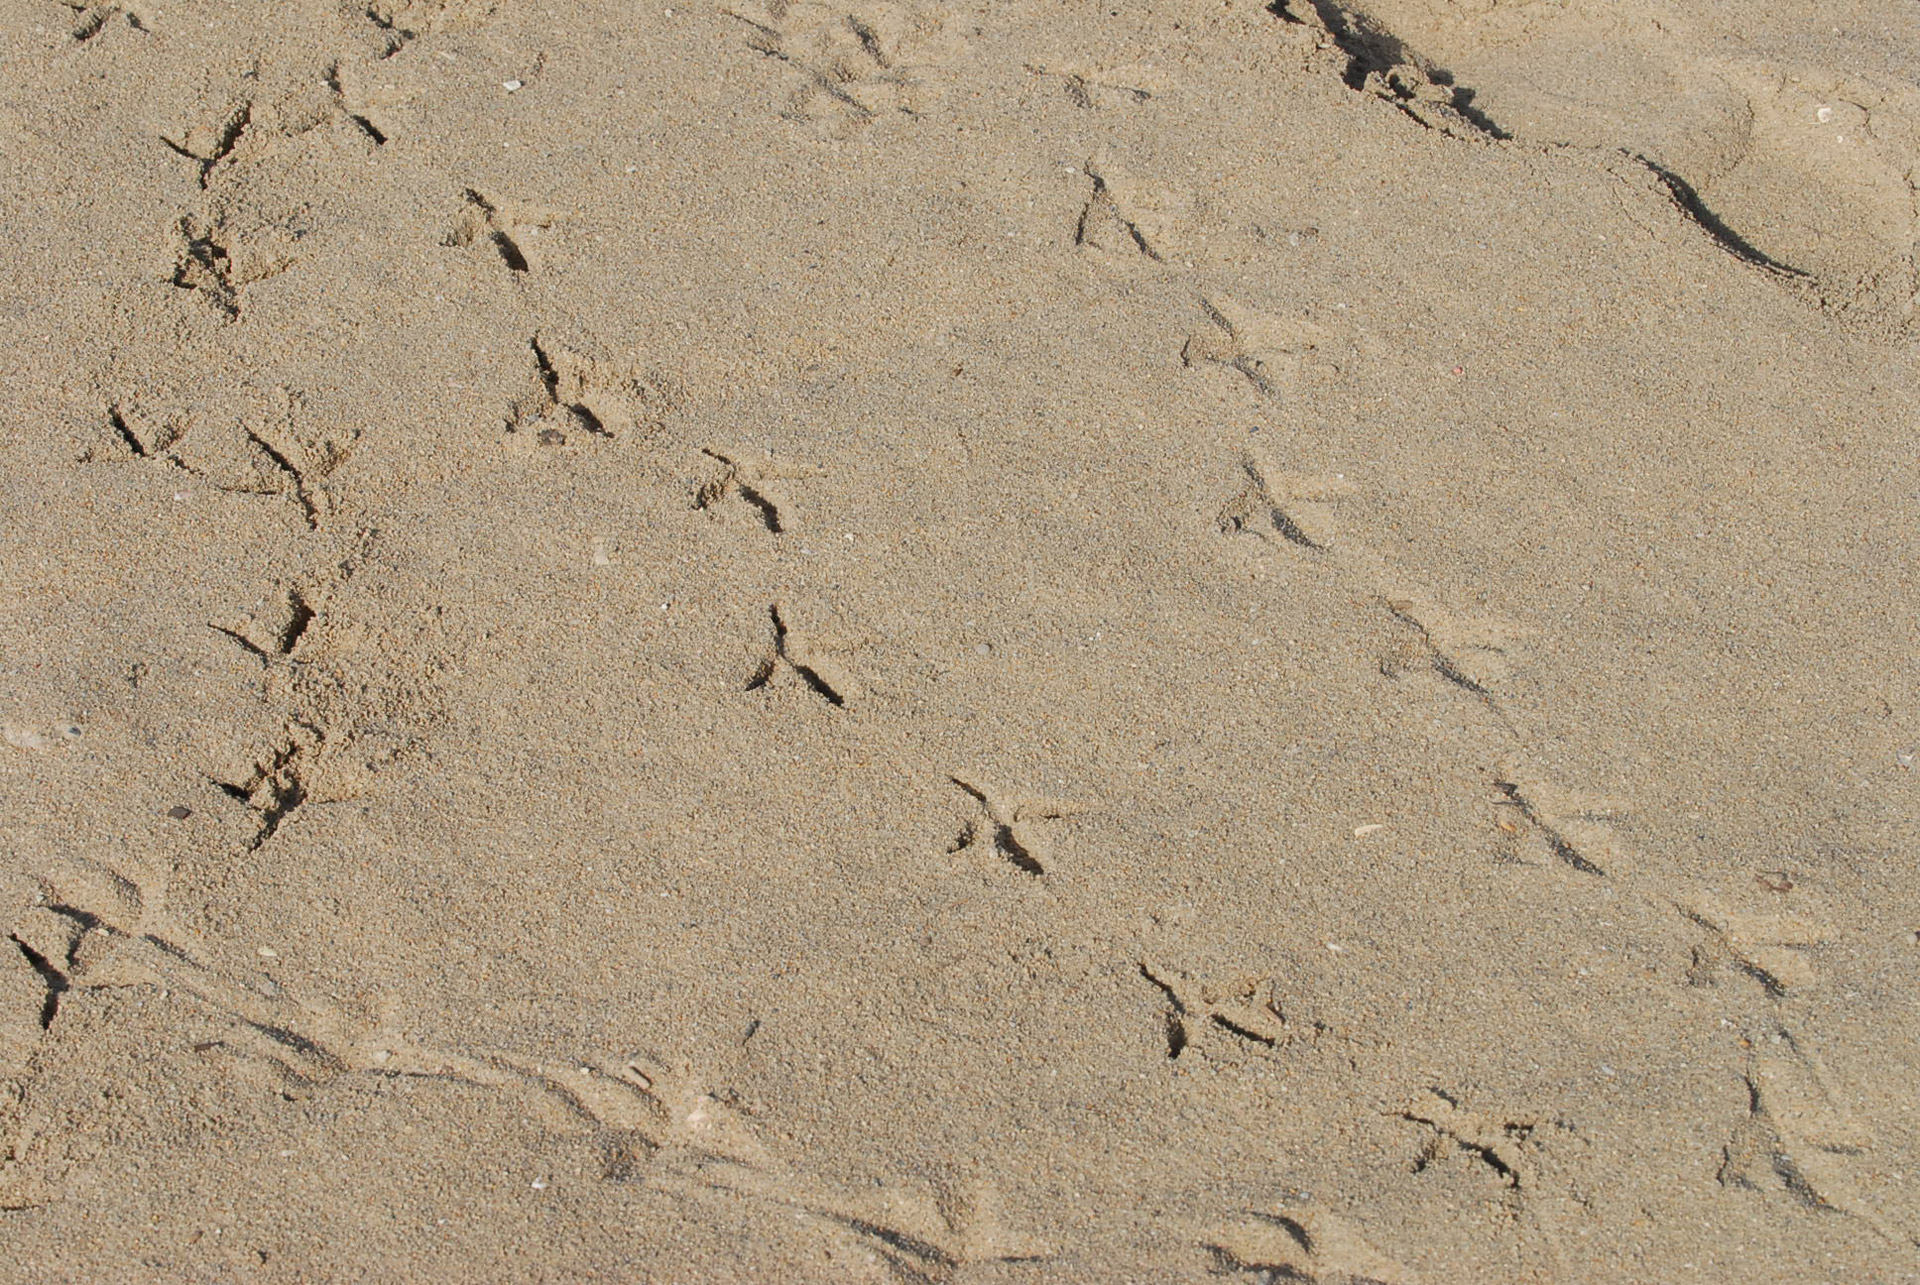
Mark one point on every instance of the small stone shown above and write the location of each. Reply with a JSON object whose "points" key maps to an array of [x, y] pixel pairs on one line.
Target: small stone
{"points": [[552, 437], [510, 85], [179, 811]]}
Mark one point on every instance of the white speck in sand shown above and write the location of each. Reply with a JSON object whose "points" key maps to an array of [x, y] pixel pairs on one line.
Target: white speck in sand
{"points": [[25, 738]]}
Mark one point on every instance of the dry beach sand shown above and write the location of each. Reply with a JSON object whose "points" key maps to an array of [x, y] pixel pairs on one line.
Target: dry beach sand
{"points": [[999, 642]]}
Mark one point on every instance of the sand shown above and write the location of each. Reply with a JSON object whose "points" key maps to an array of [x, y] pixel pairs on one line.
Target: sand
{"points": [[1006, 642]]}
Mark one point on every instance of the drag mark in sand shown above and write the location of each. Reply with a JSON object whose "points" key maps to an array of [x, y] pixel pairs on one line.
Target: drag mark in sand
{"points": [[1379, 64], [650, 1118], [1690, 205]]}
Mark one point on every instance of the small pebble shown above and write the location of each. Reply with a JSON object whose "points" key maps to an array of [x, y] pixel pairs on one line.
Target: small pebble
{"points": [[510, 85], [268, 952], [179, 811], [552, 437]]}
